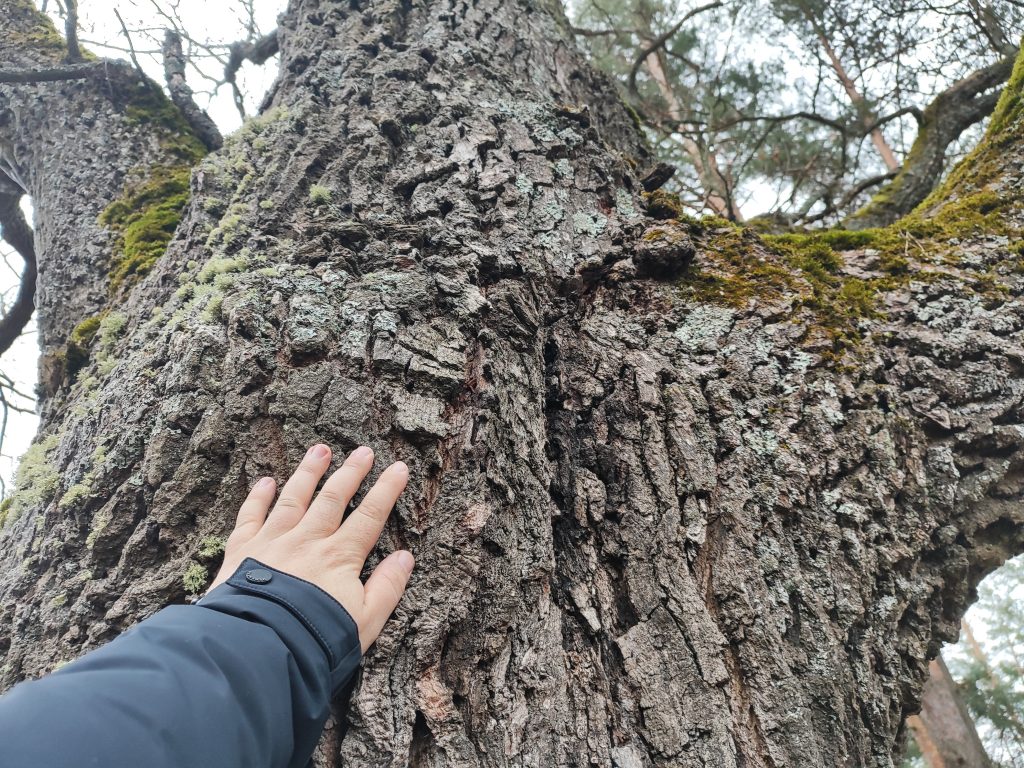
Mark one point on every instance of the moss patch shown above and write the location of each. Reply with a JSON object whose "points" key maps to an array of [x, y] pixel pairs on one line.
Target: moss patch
{"points": [[79, 342], [146, 218], [31, 28], [147, 214]]}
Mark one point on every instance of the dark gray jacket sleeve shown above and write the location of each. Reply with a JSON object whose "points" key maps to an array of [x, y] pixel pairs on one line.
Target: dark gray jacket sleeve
{"points": [[241, 679]]}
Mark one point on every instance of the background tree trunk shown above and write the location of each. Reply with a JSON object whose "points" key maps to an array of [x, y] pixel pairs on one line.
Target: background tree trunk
{"points": [[944, 730], [664, 513]]}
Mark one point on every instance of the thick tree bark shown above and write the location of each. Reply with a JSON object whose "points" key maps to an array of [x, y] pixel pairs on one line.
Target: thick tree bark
{"points": [[658, 519]]}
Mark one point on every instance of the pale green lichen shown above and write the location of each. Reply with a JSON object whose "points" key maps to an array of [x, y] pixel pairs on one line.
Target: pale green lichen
{"points": [[212, 311], [194, 579], [563, 168], [35, 480], [99, 524], [75, 493], [624, 204], [220, 265], [319, 194], [212, 546], [591, 224]]}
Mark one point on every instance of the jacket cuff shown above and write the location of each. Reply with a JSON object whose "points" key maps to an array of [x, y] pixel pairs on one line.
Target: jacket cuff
{"points": [[326, 619]]}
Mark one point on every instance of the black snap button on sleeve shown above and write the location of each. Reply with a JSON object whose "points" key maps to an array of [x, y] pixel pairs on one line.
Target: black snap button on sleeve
{"points": [[259, 576]]}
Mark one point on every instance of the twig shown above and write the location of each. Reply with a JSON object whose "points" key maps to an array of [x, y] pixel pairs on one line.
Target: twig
{"points": [[131, 48]]}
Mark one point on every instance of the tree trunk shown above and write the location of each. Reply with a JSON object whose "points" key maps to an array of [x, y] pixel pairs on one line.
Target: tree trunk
{"points": [[944, 729], [676, 500]]}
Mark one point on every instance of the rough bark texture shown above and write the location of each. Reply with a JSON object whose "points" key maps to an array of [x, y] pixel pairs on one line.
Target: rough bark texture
{"points": [[653, 527]]}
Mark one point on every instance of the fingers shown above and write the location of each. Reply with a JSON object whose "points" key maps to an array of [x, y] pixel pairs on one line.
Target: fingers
{"points": [[362, 528], [299, 490], [383, 590], [324, 514], [253, 511]]}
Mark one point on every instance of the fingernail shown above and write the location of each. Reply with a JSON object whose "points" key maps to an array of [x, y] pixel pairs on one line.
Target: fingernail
{"points": [[406, 560], [318, 451], [362, 453], [402, 467], [265, 483]]}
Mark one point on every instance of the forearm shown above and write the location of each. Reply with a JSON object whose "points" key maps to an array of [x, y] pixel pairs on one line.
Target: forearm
{"points": [[244, 678]]}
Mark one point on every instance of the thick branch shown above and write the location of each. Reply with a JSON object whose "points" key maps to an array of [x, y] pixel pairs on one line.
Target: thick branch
{"points": [[181, 93], [56, 74], [71, 31], [16, 231], [256, 51], [960, 106]]}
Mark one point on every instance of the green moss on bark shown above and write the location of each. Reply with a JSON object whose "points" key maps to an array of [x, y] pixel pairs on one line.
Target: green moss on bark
{"points": [[148, 213], [146, 218]]}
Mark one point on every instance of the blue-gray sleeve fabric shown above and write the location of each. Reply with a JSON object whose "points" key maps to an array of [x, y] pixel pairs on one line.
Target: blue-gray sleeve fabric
{"points": [[243, 679]]}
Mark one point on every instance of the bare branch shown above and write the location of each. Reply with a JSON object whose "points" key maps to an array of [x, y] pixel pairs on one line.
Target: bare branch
{"points": [[16, 231], [181, 93], [131, 47], [917, 114], [664, 37]]}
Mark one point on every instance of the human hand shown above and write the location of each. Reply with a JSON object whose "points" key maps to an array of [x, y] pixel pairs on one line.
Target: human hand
{"points": [[305, 540]]}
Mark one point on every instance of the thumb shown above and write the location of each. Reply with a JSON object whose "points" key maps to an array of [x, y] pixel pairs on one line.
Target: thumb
{"points": [[383, 590]]}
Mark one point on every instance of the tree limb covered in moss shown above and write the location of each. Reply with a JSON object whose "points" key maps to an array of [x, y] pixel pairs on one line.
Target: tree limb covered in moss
{"points": [[953, 111], [181, 93]]}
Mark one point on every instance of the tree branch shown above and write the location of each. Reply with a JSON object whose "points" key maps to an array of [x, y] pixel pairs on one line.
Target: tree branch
{"points": [[16, 231], [917, 114], [257, 51], [71, 31], [663, 38], [55, 74], [131, 47], [181, 93]]}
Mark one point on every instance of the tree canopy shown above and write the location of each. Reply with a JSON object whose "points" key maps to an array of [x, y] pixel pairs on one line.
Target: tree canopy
{"points": [[806, 111]]}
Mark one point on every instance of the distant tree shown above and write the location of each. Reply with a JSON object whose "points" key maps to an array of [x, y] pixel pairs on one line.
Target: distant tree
{"points": [[849, 111], [992, 677]]}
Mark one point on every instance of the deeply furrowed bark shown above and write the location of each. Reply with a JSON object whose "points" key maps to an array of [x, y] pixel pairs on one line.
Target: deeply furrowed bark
{"points": [[651, 529]]}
